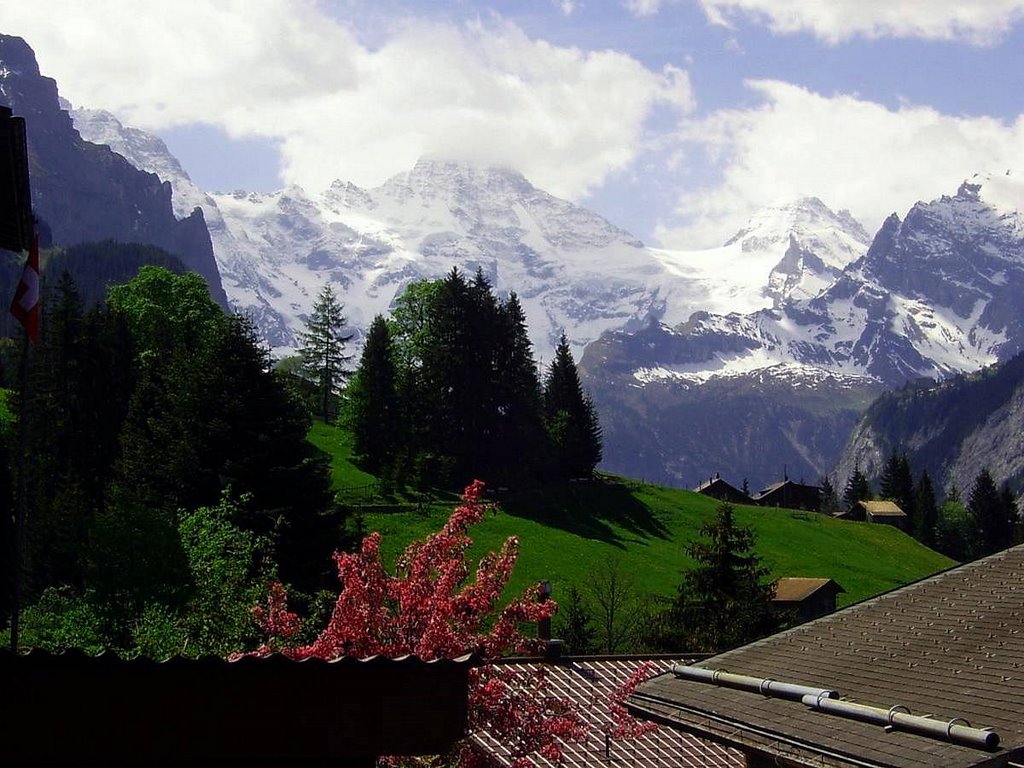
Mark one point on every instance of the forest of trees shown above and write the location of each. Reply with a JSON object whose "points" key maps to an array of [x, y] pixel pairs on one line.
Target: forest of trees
{"points": [[169, 478], [987, 522], [447, 391]]}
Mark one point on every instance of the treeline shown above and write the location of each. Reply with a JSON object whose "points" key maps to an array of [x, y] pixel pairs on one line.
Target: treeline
{"points": [[989, 519], [447, 391], [167, 476]]}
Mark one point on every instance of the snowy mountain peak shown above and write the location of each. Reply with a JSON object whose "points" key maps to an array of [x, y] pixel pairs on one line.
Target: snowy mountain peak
{"points": [[806, 218]]}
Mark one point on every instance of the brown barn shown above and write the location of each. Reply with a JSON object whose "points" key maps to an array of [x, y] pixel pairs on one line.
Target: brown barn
{"points": [[789, 495], [808, 598], [717, 488], [884, 512], [926, 676]]}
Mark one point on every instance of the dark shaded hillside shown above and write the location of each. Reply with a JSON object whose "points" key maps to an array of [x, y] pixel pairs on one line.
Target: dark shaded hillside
{"points": [[85, 192], [952, 429]]}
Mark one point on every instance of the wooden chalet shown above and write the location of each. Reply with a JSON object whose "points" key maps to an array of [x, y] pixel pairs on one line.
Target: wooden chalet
{"points": [[807, 598], [884, 512], [717, 488], [74, 709], [926, 676], [589, 682], [790, 495]]}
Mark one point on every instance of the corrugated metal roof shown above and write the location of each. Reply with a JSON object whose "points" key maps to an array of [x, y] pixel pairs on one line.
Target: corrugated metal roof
{"points": [[950, 646], [796, 588], [589, 681], [109, 710]]}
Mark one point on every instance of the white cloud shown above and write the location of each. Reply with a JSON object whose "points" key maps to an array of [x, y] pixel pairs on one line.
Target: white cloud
{"points": [[565, 6], [852, 153], [642, 7], [282, 69], [980, 22]]}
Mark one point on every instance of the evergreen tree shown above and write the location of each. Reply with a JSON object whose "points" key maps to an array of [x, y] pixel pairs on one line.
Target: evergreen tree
{"points": [[829, 499], [897, 486], [573, 427], [574, 624], [77, 395], [372, 408], [519, 437], [927, 511], [857, 488], [956, 532], [1010, 510], [322, 350], [724, 601], [991, 517]]}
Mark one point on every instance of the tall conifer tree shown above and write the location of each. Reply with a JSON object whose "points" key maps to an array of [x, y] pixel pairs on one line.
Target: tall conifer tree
{"points": [[857, 488], [927, 510], [323, 349], [572, 423], [993, 523], [372, 407]]}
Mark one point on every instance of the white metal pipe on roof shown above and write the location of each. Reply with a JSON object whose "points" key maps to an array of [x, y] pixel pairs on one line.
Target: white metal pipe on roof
{"points": [[760, 685], [957, 732]]}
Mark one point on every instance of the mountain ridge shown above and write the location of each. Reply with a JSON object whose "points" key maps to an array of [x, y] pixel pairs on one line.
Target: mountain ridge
{"points": [[85, 192]]}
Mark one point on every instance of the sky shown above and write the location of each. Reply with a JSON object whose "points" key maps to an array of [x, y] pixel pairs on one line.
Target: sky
{"points": [[675, 119]]}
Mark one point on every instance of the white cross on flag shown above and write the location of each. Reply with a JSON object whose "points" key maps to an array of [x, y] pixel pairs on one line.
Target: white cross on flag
{"points": [[25, 306]]}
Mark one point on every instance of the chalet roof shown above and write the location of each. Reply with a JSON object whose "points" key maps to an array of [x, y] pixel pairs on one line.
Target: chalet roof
{"points": [[794, 588], [950, 646], [589, 681], [882, 508], [767, 491]]}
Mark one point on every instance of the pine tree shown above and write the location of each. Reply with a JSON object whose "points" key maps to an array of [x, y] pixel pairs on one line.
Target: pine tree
{"points": [[1011, 511], [573, 427], [927, 511], [574, 624], [829, 500], [519, 440], [724, 601], [897, 485], [372, 408], [322, 350], [991, 518], [857, 488]]}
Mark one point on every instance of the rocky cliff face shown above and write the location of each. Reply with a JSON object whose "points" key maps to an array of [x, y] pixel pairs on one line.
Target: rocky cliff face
{"points": [[85, 192], [952, 429]]}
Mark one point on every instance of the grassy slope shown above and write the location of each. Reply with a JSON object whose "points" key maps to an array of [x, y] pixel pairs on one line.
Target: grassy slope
{"points": [[565, 531]]}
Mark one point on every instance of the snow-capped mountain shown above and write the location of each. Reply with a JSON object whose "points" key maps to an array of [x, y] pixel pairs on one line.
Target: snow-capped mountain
{"points": [[937, 293], [571, 268]]}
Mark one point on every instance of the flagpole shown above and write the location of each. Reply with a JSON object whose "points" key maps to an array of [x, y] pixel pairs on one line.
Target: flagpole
{"points": [[19, 511], [24, 307]]}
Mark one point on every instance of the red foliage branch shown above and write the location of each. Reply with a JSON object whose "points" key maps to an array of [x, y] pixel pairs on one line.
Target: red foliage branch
{"points": [[432, 609]]}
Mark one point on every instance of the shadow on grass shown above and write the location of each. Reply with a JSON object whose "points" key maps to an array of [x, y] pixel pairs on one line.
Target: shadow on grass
{"points": [[586, 508]]}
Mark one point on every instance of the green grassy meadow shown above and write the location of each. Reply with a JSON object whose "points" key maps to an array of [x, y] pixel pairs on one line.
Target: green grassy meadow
{"points": [[566, 531]]}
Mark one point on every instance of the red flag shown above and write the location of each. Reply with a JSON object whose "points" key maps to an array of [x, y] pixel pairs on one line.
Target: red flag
{"points": [[25, 306]]}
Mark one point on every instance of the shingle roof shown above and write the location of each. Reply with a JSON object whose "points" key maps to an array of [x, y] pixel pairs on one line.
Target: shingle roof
{"points": [[882, 508], [795, 588], [951, 646], [589, 681]]}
